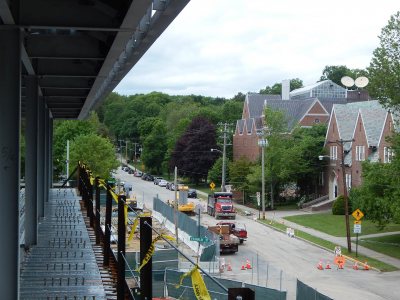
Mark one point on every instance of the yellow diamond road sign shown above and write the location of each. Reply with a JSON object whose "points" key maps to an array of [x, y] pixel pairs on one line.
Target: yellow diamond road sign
{"points": [[212, 185], [357, 214]]}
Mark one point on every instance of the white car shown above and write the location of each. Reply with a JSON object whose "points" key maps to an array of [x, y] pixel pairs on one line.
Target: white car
{"points": [[162, 182]]}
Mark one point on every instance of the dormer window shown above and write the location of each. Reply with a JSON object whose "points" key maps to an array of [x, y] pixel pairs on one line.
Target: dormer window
{"points": [[316, 121]]}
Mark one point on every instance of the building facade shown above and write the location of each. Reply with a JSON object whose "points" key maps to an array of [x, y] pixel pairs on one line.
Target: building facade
{"points": [[356, 132]]}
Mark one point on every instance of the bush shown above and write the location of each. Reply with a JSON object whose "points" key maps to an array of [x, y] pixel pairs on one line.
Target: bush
{"points": [[338, 206]]}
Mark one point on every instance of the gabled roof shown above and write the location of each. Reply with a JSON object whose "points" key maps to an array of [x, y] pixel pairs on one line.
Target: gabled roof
{"points": [[329, 102], [239, 126], [255, 103], [293, 109], [372, 113]]}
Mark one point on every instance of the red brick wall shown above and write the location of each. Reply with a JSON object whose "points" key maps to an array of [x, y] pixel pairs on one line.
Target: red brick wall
{"points": [[387, 131], [317, 109], [310, 120], [246, 146], [360, 139]]}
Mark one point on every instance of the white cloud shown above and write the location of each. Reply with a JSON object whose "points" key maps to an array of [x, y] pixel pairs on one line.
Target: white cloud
{"points": [[222, 47]]}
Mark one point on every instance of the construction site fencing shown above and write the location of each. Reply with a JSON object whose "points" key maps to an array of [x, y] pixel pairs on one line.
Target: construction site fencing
{"points": [[185, 291], [188, 228], [306, 292]]}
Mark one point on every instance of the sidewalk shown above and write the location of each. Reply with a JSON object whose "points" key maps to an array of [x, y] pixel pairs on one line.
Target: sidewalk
{"points": [[340, 241]]}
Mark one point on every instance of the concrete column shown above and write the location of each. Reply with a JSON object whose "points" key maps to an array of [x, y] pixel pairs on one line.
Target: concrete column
{"points": [[31, 136], [40, 159], [10, 115]]}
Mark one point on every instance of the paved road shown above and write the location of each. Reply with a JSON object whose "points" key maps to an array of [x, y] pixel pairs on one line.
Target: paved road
{"points": [[276, 252]]}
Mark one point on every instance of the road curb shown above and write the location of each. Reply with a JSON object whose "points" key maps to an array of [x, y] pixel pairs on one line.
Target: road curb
{"points": [[319, 246]]}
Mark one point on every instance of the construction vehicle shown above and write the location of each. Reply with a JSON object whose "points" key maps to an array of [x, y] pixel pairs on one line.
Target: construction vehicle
{"points": [[237, 229], [220, 205], [228, 243], [183, 205]]}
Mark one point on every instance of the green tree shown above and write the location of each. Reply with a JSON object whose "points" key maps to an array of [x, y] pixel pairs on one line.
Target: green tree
{"points": [[384, 69], [97, 152], [192, 153], [335, 73], [64, 131], [215, 173], [154, 148], [276, 89], [238, 171]]}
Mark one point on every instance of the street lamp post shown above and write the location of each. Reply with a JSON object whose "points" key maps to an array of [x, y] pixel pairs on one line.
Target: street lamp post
{"points": [[263, 143], [223, 167]]}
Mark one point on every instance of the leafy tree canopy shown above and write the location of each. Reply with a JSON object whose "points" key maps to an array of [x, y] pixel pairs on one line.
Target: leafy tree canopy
{"points": [[97, 152], [276, 89], [192, 153], [384, 69]]}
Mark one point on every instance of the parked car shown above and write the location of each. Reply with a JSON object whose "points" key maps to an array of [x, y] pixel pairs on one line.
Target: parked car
{"points": [[162, 183], [157, 180], [192, 193], [138, 173]]}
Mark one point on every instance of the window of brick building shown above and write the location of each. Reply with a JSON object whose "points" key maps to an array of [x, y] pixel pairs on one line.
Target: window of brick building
{"points": [[387, 155], [333, 152], [360, 153]]}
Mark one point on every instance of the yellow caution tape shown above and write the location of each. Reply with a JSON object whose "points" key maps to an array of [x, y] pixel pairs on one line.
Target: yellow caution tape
{"points": [[126, 214], [91, 180], [199, 287], [136, 223], [150, 252]]}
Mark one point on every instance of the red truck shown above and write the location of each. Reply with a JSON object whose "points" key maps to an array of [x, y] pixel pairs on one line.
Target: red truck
{"points": [[237, 229], [220, 205]]}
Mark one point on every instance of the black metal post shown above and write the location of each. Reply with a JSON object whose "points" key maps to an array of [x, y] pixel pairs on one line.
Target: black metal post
{"points": [[241, 293], [146, 278], [107, 237], [97, 229], [356, 244], [79, 178], [121, 247]]}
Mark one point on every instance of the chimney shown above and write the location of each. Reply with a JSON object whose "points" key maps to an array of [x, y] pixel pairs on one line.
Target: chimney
{"points": [[285, 89]]}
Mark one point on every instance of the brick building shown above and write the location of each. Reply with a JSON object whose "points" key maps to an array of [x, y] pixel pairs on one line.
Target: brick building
{"points": [[363, 128], [306, 106]]}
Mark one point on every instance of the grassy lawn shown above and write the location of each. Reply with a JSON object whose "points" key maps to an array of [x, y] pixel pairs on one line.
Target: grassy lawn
{"points": [[335, 225], [331, 246], [389, 245]]}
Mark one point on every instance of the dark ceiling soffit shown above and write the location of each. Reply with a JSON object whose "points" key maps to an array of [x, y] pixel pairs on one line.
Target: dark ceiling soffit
{"points": [[146, 33]]}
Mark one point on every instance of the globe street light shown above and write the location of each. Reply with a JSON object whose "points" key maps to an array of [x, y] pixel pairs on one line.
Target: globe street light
{"points": [[223, 167], [262, 143]]}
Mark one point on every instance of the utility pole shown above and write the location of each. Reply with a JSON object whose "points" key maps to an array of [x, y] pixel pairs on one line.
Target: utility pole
{"points": [[263, 143], [126, 150], [345, 194]]}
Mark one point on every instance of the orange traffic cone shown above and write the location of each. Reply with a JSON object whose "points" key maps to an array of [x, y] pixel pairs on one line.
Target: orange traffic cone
{"points": [[248, 265], [243, 268], [341, 265], [229, 267], [366, 267], [328, 266], [355, 266], [319, 266]]}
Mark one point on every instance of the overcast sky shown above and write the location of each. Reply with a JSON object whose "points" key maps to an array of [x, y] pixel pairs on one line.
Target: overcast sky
{"points": [[221, 47]]}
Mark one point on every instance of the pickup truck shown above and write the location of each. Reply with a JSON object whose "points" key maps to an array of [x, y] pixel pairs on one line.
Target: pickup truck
{"points": [[237, 229], [228, 243]]}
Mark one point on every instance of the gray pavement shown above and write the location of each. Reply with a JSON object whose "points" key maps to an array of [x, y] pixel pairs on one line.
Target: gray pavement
{"points": [[278, 216]]}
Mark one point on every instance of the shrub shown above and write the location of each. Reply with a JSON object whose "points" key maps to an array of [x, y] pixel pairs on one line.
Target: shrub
{"points": [[338, 206]]}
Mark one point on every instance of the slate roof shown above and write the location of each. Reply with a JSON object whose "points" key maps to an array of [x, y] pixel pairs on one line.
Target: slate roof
{"points": [[373, 115], [255, 103], [293, 109], [240, 126], [329, 102]]}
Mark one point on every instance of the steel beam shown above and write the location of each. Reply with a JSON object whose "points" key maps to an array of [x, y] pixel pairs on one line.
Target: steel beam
{"points": [[10, 102], [31, 182], [40, 158]]}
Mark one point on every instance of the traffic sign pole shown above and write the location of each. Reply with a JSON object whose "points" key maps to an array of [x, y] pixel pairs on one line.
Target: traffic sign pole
{"points": [[356, 244]]}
